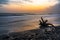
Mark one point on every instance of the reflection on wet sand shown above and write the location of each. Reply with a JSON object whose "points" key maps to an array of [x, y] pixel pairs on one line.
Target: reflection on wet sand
{"points": [[28, 26]]}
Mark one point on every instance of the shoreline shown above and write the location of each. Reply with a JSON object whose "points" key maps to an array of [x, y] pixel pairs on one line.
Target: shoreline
{"points": [[33, 34]]}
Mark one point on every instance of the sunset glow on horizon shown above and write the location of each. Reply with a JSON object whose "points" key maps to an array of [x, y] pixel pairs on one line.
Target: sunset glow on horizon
{"points": [[28, 5]]}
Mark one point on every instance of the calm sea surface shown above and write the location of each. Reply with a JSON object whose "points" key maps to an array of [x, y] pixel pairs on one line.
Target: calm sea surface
{"points": [[26, 22]]}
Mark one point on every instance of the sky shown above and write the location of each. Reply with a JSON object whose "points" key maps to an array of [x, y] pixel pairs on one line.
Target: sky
{"points": [[26, 6]]}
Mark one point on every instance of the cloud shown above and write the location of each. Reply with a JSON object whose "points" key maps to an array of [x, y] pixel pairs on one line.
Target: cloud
{"points": [[54, 9], [27, 0], [16, 1], [0, 5], [58, 1], [2, 10], [3, 1]]}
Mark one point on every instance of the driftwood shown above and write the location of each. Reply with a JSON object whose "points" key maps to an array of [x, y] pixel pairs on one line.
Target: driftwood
{"points": [[43, 24]]}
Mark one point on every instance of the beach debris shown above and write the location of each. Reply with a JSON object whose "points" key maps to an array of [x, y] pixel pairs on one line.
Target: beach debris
{"points": [[45, 25]]}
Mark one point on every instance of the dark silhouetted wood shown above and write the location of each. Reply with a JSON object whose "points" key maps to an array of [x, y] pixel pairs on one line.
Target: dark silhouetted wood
{"points": [[43, 23]]}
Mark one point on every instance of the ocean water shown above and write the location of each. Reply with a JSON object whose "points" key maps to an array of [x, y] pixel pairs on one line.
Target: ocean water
{"points": [[25, 22]]}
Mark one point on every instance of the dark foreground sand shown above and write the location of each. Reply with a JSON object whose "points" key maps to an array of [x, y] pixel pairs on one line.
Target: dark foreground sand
{"points": [[38, 34]]}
